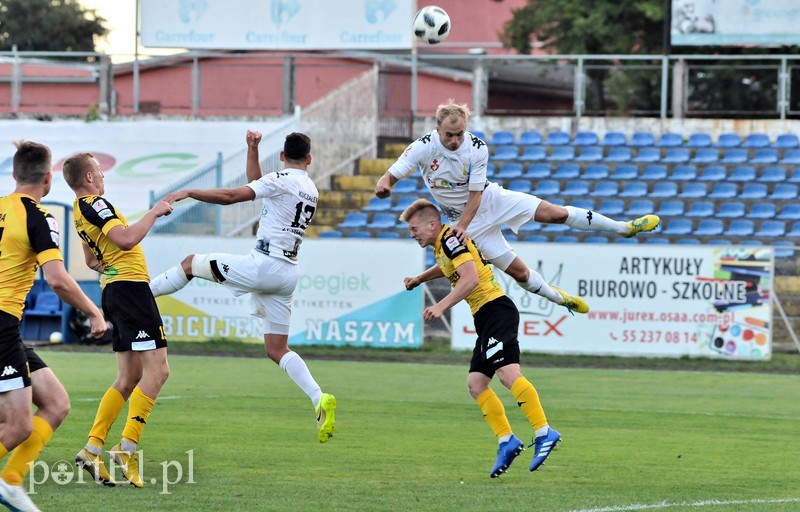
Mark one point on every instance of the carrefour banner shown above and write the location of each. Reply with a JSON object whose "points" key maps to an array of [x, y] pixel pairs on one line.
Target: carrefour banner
{"points": [[735, 22], [644, 300], [277, 24], [347, 294]]}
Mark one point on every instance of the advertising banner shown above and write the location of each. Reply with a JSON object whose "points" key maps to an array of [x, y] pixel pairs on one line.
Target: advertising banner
{"points": [[644, 300], [735, 22], [350, 292], [277, 24]]}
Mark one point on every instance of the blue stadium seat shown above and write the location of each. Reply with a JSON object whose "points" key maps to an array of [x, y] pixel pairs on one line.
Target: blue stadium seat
{"points": [[480, 134], [688, 241], [46, 303], [333, 233], [533, 154], [502, 138], [709, 227], [735, 156], [728, 140], [701, 209], [656, 240], [671, 208], [664, 189], [794, 177], [595, 172], [562, 154], [642, 139], [537, 171], [557, 138], [530, 227], [639, 207], [783, 248], [719, 241], [377, 204], [577, 188], [629, 172], [546, 188], [740, 227], [771, 228], [731, 210], [743, 173], [784, 192], [790, 157], [795, 231], [756, 140], [765, 156], [676, 156], [623, 240], [611, 207], [596, 239], [353, 220], [359, 234], [786, 141], [566, 172], [753, 191], [698, 140], [678, 227], [536, 238], [505, 153], [566, 239], [694, 190], [789, 211], [509, 170], [590, 154], [388, 234], [586, 138], [655, 172], [619, 154], [607, 189], [706, 156], [489, 171], [723, 191], [614, 139], [405, 187], [713, 173], [762, 211], [683, 173], [586, 204], [529, 138], [555, 228], [522, 185], [383, 221], [647, 154], [670, 140], [403, 203], [630, 189], [772, 175]]}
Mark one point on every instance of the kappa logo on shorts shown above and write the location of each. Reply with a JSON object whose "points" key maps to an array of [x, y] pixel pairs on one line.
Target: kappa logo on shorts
{"points": [[142, 335], [493, 347], [8, 370]]}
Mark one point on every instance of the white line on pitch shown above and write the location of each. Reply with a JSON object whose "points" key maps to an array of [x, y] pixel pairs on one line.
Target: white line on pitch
{"points": [[696, 504]]}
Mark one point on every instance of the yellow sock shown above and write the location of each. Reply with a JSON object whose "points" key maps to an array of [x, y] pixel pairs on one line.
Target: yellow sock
{"points": [[138, 413], [494, 413], [107, 413], [528, 400], [18, 464]]}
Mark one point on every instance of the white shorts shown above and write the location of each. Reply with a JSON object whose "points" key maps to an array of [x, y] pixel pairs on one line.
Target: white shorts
{"points": [[500, 207], [269, 281]]}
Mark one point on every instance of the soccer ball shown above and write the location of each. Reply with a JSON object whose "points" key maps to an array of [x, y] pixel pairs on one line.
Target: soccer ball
{"points": [[432, 24]]}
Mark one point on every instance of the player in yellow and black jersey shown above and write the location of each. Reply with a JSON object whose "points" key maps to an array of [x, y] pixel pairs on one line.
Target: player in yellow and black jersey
{"points": [[29, 241], [497, 325], [111, 246]]}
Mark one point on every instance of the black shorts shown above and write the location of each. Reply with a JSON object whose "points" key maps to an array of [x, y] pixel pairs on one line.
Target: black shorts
{"points": [[14, 370], [34, 361], [497, 326], [131, 308]]}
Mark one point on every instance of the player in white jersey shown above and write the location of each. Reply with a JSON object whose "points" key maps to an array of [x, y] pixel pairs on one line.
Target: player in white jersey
{"points": [[269, 273], [453, 164]]}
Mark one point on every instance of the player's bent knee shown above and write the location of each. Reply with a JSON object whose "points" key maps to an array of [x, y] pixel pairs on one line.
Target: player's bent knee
{"points": [[201, 267]]}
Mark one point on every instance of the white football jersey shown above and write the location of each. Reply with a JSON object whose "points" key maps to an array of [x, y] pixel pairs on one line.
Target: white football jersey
{"points": [[449, 175], [289, 203]]}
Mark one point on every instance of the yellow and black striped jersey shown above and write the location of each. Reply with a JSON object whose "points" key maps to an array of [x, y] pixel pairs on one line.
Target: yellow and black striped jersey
{"points": [[94, 218], [28, 240], [450, 253]]}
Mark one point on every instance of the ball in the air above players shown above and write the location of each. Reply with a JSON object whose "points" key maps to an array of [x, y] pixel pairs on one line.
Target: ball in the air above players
{"points": [[432, 24]]}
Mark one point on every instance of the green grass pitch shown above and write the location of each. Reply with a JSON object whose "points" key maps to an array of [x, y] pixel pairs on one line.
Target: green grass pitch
{"points": [[409, 437]]}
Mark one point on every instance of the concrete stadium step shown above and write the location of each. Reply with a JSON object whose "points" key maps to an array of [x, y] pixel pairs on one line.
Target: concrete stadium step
{"points": [[354, 183], [393, 150], [374, 166], [346, 199]]}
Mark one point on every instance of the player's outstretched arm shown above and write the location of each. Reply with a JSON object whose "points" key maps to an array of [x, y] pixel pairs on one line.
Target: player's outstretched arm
{"points": [[126, 238], [68, 290], [215, 195], [384, 186], [467, 281], [253, 168]]}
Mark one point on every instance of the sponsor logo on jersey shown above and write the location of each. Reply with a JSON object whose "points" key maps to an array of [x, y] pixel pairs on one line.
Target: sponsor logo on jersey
{"points": [[434, 165], [53, 224], [101, 207], [452, 243]]}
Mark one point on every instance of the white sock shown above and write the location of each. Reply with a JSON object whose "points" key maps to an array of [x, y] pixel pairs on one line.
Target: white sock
{"points": [[127, 446], [536, 284], [94, 450], [542, 431], [294, 365], [169, 282], [504, 439], [587, 220]]}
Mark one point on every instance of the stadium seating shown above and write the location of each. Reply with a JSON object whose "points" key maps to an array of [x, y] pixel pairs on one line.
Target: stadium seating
{"points": [[701, 209], [794, 177], [586, 204], [536, 238], [664, 189], [772, 175], [546, 188], [705, 156], [639, 207], [647, 155], [505, 153], [765, 156], [619, 154], [694, 190], [753, 191], [509, 170], [566, 172], [783, 248], [790, 157], [784, 192], [630, 172], [709, 227], [611, 207], [405, 187], [46, 303], [698, 140], [670, 140], [728, 140], [683, 173], [654, 172], [731, 210], [502, 138], [671, 208], [786, 141], [595, 172], [723, 191], [557, 138], [614, 139], [566, 239], [676, 156], [333, 233], [586, 138], [740, 227], [359, 234], [642, 139], [522, 185], [656, 240], [743, 173], [678, 227], [576, 188], [756, 140], [480, 134], [533, 154], [383, 221], [561, 154], [762, 211], [734, 156], [353, 220], [537, 171], [688, 241], [794, 232], [713, 173], [623, 240], [377, 204], [388, 234], [590, 154], [596, 239], [630, 189], [403, 203], [789, 212], [720, 241], [529, 138]]}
